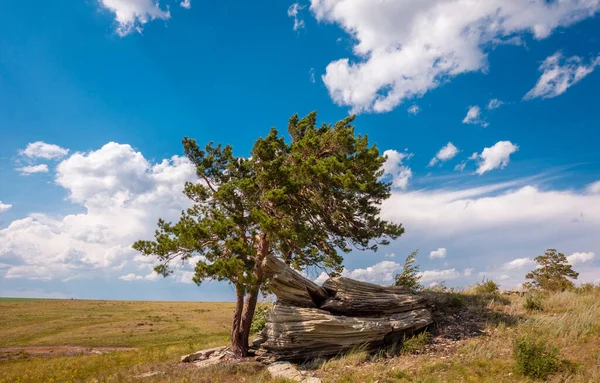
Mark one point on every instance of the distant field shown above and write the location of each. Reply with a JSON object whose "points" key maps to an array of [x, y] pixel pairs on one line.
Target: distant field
{"points": [[115, 341], [33, 334], [18, 299]]}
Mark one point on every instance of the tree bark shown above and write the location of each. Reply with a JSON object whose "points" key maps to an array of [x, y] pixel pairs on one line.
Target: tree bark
{"points": [[252, 296], [237, 346]]}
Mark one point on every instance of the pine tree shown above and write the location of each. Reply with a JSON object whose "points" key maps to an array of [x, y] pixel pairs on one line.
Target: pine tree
{"points": [[410, 273], [552, 273], [304, 201]]}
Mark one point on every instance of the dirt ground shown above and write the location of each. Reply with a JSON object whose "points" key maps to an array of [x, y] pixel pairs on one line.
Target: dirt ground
{"points": [[26, 352]]}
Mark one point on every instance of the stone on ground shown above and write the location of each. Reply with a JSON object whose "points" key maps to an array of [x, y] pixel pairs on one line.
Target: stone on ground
{"points": [[202, 354], [286, 370]]}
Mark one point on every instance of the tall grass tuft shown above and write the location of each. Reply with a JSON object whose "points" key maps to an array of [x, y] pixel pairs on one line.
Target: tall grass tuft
{"points": [[533, 303], [486, 286]]}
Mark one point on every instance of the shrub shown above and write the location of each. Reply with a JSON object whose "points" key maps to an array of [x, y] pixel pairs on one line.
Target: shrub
{"points": [[410, 273], [536, 359], [455, 300], [416, 343], [259, 320], [533, 303], [486, 286]]}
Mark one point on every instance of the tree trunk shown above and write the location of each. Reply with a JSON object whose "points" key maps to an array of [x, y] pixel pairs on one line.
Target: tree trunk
{"points": [[252, 296], [237, 345]]}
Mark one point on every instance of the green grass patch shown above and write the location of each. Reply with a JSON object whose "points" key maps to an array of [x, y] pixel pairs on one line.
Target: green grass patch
{"points": [[536, 359]]}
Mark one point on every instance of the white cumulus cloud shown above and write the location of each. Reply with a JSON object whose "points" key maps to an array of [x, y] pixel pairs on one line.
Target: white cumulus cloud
{"points": [[40, 149], [381, 273], [4, 207], [131, 15], [518, 263], [321, 278], [557, 78], [438, 275], [394, 168], [25, 170], [594, 188], [438, 254], [122, 195], [495, 157], [404, 48], [187, 4], [578, 258], [497, 224], [446, 153]]}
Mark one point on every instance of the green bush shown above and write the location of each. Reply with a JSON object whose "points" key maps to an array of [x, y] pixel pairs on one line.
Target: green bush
{"points": [[410, 274], [416, 343], [260, 320], [536, 359], [533, 303], [486, 286], [455, 300]]}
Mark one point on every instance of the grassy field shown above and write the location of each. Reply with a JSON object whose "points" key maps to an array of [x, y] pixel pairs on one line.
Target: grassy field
{"points": [[159, 332], [114, 341]]}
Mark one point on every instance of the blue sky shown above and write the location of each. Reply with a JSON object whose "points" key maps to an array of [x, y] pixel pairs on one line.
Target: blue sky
{"points": [[97, 94]]}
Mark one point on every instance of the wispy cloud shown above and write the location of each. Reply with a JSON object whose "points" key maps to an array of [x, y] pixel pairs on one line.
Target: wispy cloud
{"points": [[40, 149], [26, 170], [294, 12], [473, 117], [559, 74]]}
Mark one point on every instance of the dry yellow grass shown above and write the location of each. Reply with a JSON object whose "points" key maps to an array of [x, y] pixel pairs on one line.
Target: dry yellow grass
{"points": [[163, 331], [570, 321], [160, 331]]}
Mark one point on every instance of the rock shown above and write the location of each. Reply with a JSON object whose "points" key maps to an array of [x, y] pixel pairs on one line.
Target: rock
{"points": [[210, 361], [350, 297], [259, 339], [202, 354], [311, 379], [285, 370], [295, 333], [291, 287], [310, 321]]}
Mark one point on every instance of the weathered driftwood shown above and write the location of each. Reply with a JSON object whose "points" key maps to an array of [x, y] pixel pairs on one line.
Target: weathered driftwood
{"points": [[350, 297], [302, 333], [290, 287], [310, 321]]}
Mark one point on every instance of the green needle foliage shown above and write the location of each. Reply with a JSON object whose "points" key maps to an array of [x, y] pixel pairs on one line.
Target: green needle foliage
{"points": [[304, 201], [410, 273], [552, 273]]}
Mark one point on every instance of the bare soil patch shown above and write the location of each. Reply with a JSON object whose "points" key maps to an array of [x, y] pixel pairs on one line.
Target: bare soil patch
{"points": [[26, 352]]}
